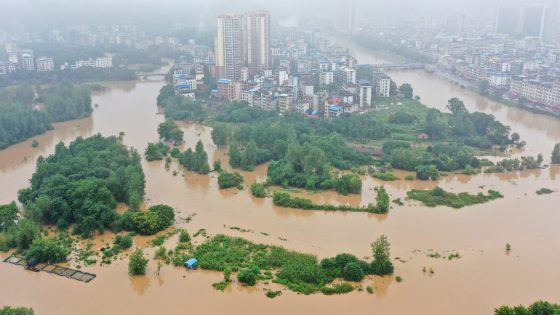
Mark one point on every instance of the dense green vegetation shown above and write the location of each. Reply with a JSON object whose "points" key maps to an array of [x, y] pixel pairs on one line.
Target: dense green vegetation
{"points": [[440, 197], [284, 199], [537, 308], [516, 164], [304, 151], [8, 216], [123, 241], [20, 120], [137, 263], [228, 180], [156, 151], [179, 107], [169, 131], [24, 235], [156, 219], [82, 183], [49, 250], [19, 235], [556, 154], [258, 190], [221, 134], [299, 272], [8, 310], [196, 161]]}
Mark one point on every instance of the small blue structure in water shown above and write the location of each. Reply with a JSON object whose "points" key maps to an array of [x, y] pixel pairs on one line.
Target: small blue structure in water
{"points": [[191, 263]]}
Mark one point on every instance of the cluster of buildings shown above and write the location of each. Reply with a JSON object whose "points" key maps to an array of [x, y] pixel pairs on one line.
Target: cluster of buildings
{"points": [[515, 67], [294, 71], [515, 49], [23, 60]]}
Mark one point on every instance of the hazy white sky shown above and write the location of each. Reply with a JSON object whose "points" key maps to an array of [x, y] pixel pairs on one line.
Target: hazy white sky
{"points": [[47, 12]]}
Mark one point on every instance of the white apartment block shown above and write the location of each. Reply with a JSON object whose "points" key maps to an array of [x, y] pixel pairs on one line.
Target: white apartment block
{"points": [[104, 62], [26, 62], [364, 94], [44, 64], [381, 84], [538, 92], [326, 77], [347, 75]]}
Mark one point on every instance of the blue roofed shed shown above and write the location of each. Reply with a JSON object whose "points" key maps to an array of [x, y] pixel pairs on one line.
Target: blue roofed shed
{"points": [[191, 263]]}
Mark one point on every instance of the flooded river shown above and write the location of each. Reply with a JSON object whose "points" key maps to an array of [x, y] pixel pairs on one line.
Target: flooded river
{"points": [[484, 277]]}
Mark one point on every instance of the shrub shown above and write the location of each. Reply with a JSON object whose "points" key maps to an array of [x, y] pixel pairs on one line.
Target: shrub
{"points": [[398, 279], [544, 191], [228, 180], [184, 236], [8, 215], [258, 190], [247, 276], [272, 294], [165, 212], [556, 154], [348, 184], [123, 241], [23, 234], [48, 250], [353, 272], [438, 196], [137, 263], [148, 222], [61, 224], [337, 289], [8, 310], [217, 166], [537, 308], [385, 176]]}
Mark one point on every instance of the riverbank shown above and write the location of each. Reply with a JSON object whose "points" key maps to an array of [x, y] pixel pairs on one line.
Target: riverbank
{"points": [[473, 88]]}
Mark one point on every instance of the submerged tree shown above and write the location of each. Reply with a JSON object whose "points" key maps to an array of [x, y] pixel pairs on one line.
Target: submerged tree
{"points": [[556, 154], [137, 263], [381, 264]]}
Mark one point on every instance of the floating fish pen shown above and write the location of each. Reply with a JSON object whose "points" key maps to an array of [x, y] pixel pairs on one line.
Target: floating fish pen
{"points": [[54, 269]]}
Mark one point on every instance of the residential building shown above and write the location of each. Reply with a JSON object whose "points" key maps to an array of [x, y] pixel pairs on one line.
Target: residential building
{"points": [[347, 75], [44, 64], [381, 84], [229, 90], [229, 46], [257, 31], [347, 16], [26, 60], [285, 103], [326, 78], [546, 93], [104, 62], [365, 90]]}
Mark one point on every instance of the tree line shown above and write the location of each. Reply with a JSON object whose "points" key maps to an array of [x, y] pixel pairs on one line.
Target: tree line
{"points": [[20, 119]]}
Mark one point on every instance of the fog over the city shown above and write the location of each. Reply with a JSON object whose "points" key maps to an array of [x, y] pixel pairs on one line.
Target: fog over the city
{"points": [[32, 13]]}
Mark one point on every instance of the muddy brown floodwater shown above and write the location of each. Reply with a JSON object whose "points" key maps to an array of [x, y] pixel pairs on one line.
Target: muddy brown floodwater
{"points": [[484, 277]]}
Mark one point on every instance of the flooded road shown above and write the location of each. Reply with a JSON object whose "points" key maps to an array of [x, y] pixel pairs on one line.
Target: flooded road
{"points": [[483, 278]]}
